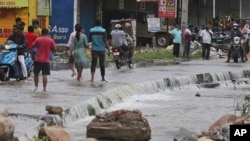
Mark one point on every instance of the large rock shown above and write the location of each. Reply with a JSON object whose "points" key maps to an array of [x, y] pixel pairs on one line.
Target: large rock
{"points": [[3, 112], [7, 129], [54, 133], [57, 110], [120, 125], [225, 119]]}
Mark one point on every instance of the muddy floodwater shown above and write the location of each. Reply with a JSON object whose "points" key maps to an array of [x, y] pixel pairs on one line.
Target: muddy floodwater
{"points": [[164, 93]]}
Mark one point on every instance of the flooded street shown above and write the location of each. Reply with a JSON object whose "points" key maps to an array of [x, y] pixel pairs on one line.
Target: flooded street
{"points": [[171, 108]]}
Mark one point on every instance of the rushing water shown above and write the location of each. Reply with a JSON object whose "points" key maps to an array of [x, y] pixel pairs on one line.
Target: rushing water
{"points": [[168, 103]]}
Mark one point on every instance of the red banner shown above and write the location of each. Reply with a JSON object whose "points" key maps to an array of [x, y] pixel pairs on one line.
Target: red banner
{"points": [[167, 8]]}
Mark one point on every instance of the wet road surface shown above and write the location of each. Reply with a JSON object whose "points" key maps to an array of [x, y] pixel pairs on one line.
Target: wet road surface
{"points": [[63, 90]]}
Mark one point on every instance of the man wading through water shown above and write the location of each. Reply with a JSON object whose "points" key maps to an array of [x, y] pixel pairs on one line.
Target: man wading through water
{"points": [[44, 45], [98, 37]]}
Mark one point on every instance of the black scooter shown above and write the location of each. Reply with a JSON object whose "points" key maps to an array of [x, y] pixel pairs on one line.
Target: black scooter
{"points": [[236, 50]]}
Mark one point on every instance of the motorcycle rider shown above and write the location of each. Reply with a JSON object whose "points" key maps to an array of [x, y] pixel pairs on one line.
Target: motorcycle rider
{"points": [[121, 39], [130, 41], [19, 38], [235, 33]]}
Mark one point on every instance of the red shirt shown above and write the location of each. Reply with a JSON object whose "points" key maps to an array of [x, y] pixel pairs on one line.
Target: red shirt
{"points": [[44, 45], [31, 37]]}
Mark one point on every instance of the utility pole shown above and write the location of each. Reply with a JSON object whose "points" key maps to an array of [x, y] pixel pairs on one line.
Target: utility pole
{"points": [[184, 20]]}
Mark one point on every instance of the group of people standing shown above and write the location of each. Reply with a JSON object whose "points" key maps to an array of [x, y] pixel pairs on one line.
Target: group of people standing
{"points": [[187, 36], [206, 39], [38, 40], [35, 38]]}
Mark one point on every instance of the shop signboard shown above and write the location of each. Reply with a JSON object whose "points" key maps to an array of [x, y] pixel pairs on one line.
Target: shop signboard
{"points": [[13, 3], [9, 10], [61, 21], [44, 7], [167, 8]]}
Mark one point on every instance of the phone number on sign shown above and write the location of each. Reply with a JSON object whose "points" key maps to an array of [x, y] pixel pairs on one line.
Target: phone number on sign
{"points": [[59, 29]]}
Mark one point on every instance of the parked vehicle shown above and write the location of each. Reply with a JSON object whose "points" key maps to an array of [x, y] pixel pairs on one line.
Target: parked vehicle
{"points": [[144, 30], [221, 41], [9, 65], [120, 55], [236, 52]]}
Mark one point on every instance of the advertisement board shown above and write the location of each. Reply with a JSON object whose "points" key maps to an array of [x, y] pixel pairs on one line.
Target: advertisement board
{"points": [[167, 8], [61, 21], [44, 7], [13, 3]]}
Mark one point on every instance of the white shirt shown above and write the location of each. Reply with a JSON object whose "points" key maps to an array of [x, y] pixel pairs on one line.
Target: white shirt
{"points": [[118, 38], [72, 35], [206, 37]]}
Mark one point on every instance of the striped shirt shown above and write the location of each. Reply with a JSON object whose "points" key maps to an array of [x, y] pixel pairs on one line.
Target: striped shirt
{"points": [[98, 37]]}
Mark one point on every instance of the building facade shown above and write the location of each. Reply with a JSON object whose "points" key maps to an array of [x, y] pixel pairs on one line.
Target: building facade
{"points": [[27, 10]]}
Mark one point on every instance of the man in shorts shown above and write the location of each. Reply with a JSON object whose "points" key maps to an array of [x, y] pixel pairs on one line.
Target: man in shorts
{"points": [[44, 45]]}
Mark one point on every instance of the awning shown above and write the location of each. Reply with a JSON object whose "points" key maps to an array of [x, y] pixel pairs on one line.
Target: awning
{"points": [[14, 3]]}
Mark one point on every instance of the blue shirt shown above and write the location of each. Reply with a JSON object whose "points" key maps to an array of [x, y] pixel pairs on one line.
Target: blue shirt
{"points": [[177, 35], [98, 37]]}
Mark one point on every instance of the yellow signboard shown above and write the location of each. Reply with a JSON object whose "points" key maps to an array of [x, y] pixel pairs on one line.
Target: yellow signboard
{"points": [[13, 3]]}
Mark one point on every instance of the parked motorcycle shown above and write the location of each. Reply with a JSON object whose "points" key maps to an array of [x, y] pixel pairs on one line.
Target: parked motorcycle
{"points": [[120, 55], [221, 41], [236, 51], [9, 65]]}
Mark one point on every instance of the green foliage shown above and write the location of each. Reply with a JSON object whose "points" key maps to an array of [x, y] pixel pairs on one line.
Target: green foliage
{"points": [[91, 110], [35, 138], [159, 53]]}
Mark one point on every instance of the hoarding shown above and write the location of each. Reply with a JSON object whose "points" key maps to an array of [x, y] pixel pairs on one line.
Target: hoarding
{"points": [[167, 8], [13, 3], [43, 7], [61, 21]]}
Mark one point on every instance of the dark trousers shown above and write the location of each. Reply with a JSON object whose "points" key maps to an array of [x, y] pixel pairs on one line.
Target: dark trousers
{"points": [[186, 50], [205, 50], [130, 50], [95, 55], [176, 50], [230, 52]]}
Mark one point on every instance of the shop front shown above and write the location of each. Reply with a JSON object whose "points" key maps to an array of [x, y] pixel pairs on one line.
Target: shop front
{"points": [[9, 10]]}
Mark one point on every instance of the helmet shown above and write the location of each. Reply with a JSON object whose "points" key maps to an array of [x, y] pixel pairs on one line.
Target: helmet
{"points": [[118, 26], [235, 26]]}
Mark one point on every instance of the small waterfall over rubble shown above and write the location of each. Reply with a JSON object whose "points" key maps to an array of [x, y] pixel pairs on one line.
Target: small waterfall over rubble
{"points": [[117, 95]]}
